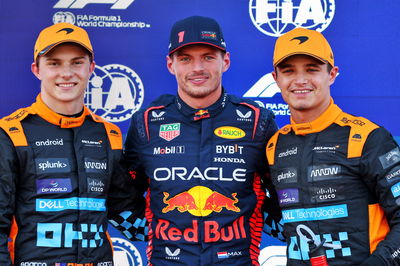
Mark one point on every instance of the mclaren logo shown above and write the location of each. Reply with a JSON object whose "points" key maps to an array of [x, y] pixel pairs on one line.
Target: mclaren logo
{"points": [[301, 39], [67, 30]]}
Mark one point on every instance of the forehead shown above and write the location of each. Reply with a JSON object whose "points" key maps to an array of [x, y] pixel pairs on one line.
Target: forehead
{"points": [[300, 59], [197, 48]]}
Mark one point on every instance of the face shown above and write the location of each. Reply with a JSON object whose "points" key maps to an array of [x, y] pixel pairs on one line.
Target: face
{"points": [[198, 70], [64, 73], [305, 84]]}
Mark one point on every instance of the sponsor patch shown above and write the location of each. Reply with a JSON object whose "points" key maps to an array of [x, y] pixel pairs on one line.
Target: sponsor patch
{"points": [[52, 165], [95, 185], [390, 158], [74, 203], [288, 196], [393, 175], [55, 185], [315, 214], [228, 132], [170, 131], [288, 152], [323, 172], [396, 190], [287, 175], [327, 193], [95, 166]]}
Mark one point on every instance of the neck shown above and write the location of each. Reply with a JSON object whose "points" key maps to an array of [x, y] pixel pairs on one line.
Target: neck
{"points": [[65, 108], [307, 116]]}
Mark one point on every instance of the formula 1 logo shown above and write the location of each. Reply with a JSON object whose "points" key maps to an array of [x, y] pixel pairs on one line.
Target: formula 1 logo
{"points": [[79, 4], [265, 87], [115, 92], [125, 253], [275, 17]]}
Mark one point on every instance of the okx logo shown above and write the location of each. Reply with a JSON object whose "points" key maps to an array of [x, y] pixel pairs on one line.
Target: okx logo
{"points": [[115, 92], [79, 4], [275, 17]]}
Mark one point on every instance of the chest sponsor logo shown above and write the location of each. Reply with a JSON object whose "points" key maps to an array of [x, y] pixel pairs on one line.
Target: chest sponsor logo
{"points": [[212, 231], [210, 173], [57, 185], [200, 201], [328, 193], [287, 175], [315, 214], [245, 117], [393, 175], [33, 263], [228, 132], [48, 142], [52, 165], [157, 116], [74, 203], [288, 152], [390, 158], [228, 160], [288, 196], [95, 185], [92, 143], [169, 150], [170, 131], [323, 172], [321, 149], [396, 190], [95, 166], [229, 149], [65, 235]]}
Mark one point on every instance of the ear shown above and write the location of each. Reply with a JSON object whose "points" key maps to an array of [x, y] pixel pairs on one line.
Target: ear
{"points": [[35, 70], [92, 66], [227, 61], [333, 75], [170, 64], [273, 73]]}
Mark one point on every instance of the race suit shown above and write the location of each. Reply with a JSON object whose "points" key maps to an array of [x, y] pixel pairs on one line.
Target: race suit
{"points": [[203, 171], [338, 184], [60, 178]]}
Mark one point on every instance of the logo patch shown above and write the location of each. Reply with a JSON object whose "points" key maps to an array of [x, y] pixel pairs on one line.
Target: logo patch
{"points": [[393, 175], [170, 131], [228, 132], [315, 214], [95, 186], [52, 165], [288, 196], [396, 190], [324, 194], [74, 203], [56, 185], [324, 172], [390, 158], [287, 175]]}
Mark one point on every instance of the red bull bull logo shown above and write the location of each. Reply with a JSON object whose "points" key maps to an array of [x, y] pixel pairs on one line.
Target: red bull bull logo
{"points": [[201, 114], [200, 201]]}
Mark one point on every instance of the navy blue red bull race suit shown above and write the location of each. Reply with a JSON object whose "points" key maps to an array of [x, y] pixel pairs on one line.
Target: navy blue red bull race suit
{"points": [[338, 184], [203, 171], [60, 178]]}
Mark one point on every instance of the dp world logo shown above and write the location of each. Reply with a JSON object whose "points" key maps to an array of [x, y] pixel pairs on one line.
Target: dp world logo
{"points": [[114, 92], [275, 17]]}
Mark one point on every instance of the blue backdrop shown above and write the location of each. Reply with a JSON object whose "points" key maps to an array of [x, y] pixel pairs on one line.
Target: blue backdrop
{"points": [[130, 39]]}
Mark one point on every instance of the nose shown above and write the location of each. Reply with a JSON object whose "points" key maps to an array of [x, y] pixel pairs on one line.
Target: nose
{"points": [[301, 78], [198, 65], [66, 71]]}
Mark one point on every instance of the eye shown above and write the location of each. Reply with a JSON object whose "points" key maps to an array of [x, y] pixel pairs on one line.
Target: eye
{"points": [[209, 57], [184, 59]]}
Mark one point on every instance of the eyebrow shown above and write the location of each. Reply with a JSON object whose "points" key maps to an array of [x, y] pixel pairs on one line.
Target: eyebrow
{"points": [[58, 59], [308, 65]]}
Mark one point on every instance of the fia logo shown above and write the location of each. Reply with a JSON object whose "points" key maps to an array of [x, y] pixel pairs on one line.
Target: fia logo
{"points": [[79, 4], [275, 17], [125, 253], [115, 92]]}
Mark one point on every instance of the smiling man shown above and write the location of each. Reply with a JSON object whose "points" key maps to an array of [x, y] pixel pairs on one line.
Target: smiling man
{"points": [[60, 172], [200, 155], [337, 176]]}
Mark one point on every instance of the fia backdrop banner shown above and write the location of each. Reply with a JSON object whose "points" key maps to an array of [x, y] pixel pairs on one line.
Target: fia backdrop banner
{"points": [[130, 39]]}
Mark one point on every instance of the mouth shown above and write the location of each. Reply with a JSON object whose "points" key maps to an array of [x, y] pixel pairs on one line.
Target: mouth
{"points": [[66, 85], [198, 80], [301, 91]]}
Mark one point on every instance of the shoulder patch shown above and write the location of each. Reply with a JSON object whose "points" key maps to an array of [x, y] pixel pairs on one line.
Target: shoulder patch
{"points": [[359, 132], [271, 147], [12, 126], [113, 132]]}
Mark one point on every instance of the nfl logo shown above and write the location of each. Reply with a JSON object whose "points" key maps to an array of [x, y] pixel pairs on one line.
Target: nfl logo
{"points": [[170, 131]]}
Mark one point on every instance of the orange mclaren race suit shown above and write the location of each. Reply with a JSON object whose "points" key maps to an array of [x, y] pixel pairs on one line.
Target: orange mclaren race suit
{"points": [[204, 171], [60, 177], [338, 184]]}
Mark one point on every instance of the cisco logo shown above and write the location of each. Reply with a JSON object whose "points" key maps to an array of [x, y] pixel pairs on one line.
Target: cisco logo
{"points": [[115, 92], [275, 17]]}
